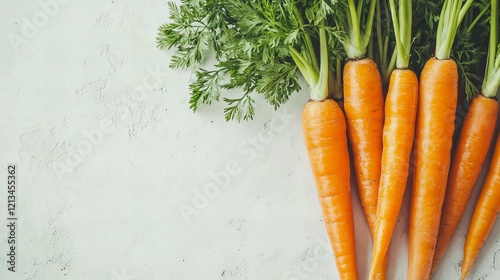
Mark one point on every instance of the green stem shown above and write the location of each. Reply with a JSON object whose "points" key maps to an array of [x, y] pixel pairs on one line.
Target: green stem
{"points": [[356, 30], [402, 31], [407, 17], [320, 90], [359, 10], [378, 29], [310, 75], [369, 23], [479, 16], [452, 14], [490, 88], [309, 45], [397, 32], [492, 75], [386, 73], [392, 63], [357, 43], [493, 38], [440, 28], [464, 9]]}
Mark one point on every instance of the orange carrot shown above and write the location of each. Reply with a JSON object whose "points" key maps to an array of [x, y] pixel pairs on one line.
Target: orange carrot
{"points": [[435, 125], [399, 127], [470, 153], [485, 213], [364, 109], [488, 204], [363, 105], [398, 133], [324, 131], [438, 91]]}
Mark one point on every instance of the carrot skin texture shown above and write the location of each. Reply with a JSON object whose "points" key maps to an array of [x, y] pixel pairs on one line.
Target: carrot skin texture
{"points": [[438, 91], [364, 109], [471, 150], [485, 213], [399, 129], [324, 130]]}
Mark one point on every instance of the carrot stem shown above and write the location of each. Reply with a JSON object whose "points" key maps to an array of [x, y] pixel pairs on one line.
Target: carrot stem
{"points": [[320, 91], [478, 17], [491, 80], [305, 68], [355, 31], [451, 15], [369, 23], [357, 43], [307, 38]]}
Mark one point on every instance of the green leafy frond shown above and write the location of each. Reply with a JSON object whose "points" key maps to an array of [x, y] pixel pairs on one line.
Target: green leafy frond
{"points": [[239, 108], [205, 89], [252, 43]]}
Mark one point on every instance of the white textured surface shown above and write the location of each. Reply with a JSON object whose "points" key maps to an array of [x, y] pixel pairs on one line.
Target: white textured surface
{"points": [[115, 212]]}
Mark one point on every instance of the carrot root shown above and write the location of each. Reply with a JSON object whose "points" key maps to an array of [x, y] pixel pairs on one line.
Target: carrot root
{"points": [[324, 129], [485, 213], [399, 128], [364, 108], [471, 150], [438, 92]]}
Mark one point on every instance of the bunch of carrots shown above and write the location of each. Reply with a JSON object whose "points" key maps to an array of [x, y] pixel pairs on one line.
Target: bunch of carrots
{"points": [[262, 46]]}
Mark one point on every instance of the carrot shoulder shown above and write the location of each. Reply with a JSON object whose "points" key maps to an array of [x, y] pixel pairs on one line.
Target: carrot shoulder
{"points": [[325, 138], [473, 144], [485, 213], [433, 141]]}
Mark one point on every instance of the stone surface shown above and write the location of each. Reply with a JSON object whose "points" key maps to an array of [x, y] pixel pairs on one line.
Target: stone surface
{"points": [[118, 179]]}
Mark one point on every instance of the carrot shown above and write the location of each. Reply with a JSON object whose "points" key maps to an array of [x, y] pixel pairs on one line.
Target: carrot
{"points": [[400, 111], [473, 145], [363, 106], [398, 133], [438, 91], [435, 125], [485, 213], [488, 203], [324, 131], [470, 153]]}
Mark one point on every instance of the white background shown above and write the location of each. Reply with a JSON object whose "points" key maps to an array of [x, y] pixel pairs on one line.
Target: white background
{"points": [[86, 76]]}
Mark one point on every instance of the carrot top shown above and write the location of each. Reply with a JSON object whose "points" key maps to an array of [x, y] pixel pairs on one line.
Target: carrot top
{"points": [[358, 25], [452, 13], [402, 30], [258, 47], [491, 80], [379, 48], [317, 82]]}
